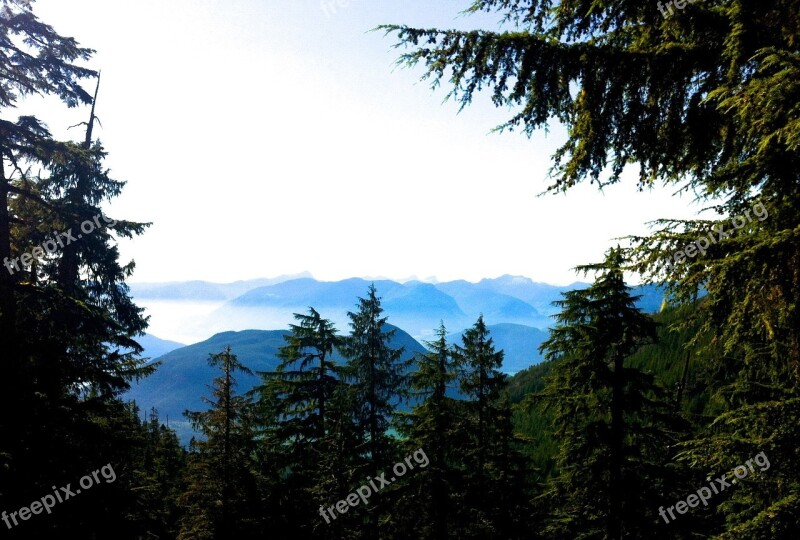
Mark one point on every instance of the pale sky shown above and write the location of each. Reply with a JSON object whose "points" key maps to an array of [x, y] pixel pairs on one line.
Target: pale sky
{"points": [[267, 137]]}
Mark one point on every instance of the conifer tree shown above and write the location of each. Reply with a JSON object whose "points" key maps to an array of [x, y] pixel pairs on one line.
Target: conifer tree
{"points": [[24, 139], [301, 421], [35, 60], [378, 375], [309, 373], [379, 382], [612, 422], [436, 425], [495, 505], [69, 347], [220, 500]]}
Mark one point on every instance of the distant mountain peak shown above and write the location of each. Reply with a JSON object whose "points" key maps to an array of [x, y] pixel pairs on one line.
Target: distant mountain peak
{"points": [[510, 280]]}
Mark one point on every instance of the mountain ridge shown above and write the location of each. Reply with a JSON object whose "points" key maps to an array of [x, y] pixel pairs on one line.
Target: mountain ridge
{"points": [[417, 307]]}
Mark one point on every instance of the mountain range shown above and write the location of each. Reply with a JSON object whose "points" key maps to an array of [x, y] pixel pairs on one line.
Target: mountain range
{"points": [[415, 306], [251, 317]]}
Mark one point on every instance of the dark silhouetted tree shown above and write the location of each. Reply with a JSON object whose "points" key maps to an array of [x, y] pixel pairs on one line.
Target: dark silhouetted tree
{"points": [[614, 425], [221, 498]]}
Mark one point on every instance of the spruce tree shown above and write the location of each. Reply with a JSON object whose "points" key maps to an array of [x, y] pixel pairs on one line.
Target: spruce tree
{"points": [[429, 507], [220, 500], [300, 422], [35, 60], [612, 422], [68, 346], [377, 375], [494, 498], [378, 379], [309, 373]]}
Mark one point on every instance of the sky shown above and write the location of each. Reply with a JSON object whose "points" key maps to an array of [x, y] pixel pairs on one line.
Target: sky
{"points": [[272, 137]]}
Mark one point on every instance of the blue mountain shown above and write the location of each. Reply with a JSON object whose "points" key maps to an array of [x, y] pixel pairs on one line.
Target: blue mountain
{"points": [[495, 306], [540, 296], [416, 307], [201, 290], [155, 347]]}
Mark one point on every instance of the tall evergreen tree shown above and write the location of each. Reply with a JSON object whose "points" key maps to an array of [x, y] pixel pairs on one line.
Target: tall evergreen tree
{"points": [[437, 426], [494, 489], [35, 60], [309, 373], [220, 500], [69, 346], [301, 418], [613, 423], [378, 374], [379, 382]]}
